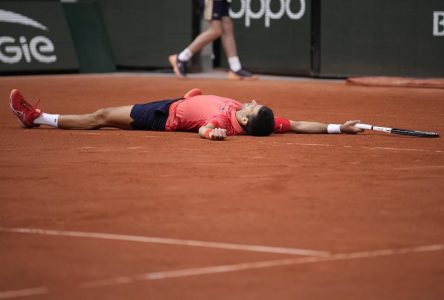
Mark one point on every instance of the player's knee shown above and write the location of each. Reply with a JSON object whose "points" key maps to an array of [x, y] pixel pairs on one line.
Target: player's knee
{"points": [[100, 117]]}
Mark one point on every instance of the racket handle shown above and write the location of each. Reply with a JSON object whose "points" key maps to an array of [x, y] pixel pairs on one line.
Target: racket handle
{"points": [[364, 126]]}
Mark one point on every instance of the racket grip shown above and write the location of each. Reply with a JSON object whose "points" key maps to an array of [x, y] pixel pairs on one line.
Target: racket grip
{"points": [[364, 126]]}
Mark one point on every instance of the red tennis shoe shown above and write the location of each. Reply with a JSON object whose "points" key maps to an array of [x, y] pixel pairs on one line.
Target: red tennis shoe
{"points": [[25, 112]]}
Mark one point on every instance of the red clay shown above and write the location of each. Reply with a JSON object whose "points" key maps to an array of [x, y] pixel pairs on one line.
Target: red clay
{"points": [[336, 193]]}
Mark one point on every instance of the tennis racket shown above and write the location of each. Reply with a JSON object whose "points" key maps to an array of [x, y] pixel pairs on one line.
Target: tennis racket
{"points": [[418, 133]]}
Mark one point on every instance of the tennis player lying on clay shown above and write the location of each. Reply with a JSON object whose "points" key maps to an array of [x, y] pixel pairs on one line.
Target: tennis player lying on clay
{"points": [[213, 117]]}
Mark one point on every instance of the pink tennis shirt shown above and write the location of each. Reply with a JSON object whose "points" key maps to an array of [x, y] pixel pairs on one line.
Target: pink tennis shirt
{"points": [[192, 113]]}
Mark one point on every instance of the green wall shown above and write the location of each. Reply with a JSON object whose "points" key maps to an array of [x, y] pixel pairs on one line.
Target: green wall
{"points": [[143, 33], [326, 38], [379, 37]]}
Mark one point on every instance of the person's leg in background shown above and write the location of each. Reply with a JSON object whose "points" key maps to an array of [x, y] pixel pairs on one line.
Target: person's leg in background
{"points": [[216, 12], [229, 44], [179, 61]]}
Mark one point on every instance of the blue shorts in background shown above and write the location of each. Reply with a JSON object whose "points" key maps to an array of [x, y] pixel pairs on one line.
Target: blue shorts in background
{"points": [[214, 9]]}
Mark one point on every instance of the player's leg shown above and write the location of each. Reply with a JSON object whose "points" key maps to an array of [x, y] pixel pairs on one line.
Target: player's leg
{"points": [[117, 117], [30, 116]]}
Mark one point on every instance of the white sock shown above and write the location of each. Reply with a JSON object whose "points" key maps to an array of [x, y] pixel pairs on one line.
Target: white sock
{"points": [[47, 119], [234, 63], [185, 55]]}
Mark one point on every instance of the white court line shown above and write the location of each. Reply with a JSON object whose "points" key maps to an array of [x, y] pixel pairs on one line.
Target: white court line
{"points": [[259, 265], [233, 268], [304, 144], [401, 149], [157, 240], [23, 293], [365, 147], [395, 149], [420, 168]]}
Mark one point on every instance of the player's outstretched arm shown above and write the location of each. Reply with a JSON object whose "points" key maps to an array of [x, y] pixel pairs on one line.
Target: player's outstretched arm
{"points": [[210, 132], [316, 127]]}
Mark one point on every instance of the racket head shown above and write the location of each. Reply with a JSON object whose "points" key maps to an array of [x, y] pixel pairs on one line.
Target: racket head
{"points": [[418, 133]]}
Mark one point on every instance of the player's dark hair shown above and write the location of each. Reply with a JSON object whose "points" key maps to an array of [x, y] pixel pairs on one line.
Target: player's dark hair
{"points": [[262, 123]]}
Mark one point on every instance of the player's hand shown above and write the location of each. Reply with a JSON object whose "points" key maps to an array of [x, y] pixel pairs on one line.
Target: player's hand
{"points": [[349, 127], [218, 134]]}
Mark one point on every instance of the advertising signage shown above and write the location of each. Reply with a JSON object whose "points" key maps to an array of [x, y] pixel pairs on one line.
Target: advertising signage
{"points": [[34, 37], [273, 36]]}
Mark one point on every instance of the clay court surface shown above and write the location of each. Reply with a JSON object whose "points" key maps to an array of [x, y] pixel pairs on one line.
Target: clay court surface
{"points": [[113, 214]]}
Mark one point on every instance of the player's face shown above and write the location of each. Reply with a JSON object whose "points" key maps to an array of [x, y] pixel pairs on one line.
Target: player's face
{"points": [[251, 109]]}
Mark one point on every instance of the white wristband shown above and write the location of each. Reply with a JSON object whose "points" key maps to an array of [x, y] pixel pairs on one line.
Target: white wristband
{"points": [[334, 128]]}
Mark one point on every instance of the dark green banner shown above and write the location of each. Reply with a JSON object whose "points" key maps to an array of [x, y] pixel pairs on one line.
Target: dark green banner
{"points": [[273, 36], [89, 36], [34, 37], [380, 37], [143, 33]]}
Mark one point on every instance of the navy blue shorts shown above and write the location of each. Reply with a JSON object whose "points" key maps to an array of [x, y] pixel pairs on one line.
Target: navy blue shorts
{"points": [[152, 115], [214, 9]]}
